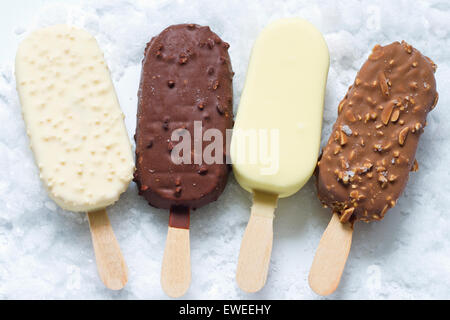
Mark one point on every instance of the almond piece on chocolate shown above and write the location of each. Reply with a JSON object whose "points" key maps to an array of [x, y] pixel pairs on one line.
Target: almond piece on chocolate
{"points": [[415, 166], [350, 116], [343, 139], [341, 105], [346, 215], [402, 136], [395, 115], [383, 83], [386, 113]]}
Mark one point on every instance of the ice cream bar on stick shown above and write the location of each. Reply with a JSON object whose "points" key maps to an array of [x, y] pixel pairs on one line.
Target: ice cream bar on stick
{"points": [[276, 138], [76, 132], [185, 94], [365, 166]]}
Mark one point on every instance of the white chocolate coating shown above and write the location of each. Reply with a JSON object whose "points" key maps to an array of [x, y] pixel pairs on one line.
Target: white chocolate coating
{"points": [[73, 118], [284, 91]]}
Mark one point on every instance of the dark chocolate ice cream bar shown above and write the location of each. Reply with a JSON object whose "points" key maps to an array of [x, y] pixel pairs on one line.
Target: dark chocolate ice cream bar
{"points": [[365, 166], [186, 77]]}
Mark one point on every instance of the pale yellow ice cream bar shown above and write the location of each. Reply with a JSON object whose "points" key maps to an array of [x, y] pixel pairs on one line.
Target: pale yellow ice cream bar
{"points": [[73, 118], [282, 106]]}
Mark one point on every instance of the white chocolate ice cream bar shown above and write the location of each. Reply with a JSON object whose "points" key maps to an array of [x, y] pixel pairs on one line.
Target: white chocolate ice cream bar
{"points": [[284, 93], [73, 118]]}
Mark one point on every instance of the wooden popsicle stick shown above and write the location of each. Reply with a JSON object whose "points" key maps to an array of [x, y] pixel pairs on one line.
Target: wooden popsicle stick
{"points": [[256, 247], [331, 256], [110, 262], [176, 265]]}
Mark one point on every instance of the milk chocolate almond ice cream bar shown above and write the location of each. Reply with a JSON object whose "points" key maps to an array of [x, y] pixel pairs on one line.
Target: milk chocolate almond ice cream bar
{"points": [[365, 166]]}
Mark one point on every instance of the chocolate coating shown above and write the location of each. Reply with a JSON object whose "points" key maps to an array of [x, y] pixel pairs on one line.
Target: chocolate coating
{"points": [[365, 166], [186, 77]]}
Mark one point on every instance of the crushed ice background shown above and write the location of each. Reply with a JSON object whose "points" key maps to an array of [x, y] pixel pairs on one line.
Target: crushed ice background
{"points": [[46, 252]]}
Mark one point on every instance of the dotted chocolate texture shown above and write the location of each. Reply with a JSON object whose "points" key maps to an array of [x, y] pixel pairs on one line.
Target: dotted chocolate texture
{"points": [[186, 77], [365, 166]]}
